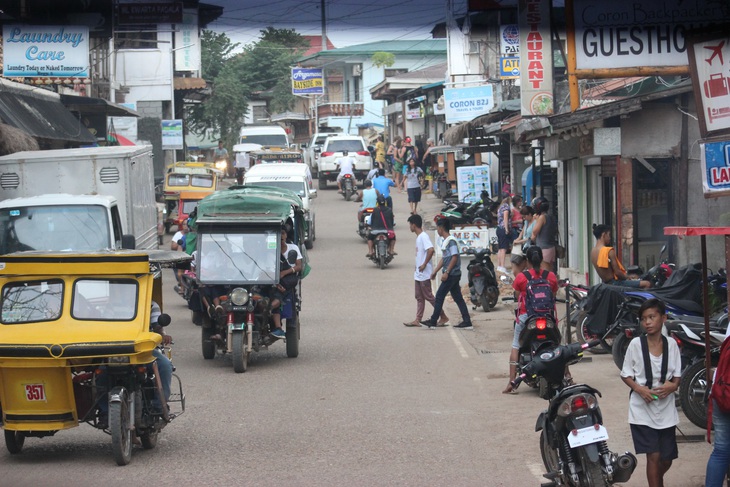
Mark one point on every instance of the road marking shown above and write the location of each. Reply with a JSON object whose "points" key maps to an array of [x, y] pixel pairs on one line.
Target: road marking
{"points": [[537, 469], [457, 342]]}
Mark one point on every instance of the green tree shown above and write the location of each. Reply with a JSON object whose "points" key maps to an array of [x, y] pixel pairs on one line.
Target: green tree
{"points": [[381, 58], [215, 50]]}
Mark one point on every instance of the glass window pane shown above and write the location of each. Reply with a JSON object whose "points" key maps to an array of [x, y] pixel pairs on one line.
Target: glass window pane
{"points": [[241, 258], [24, 302], [106, 300], [202, 181]]}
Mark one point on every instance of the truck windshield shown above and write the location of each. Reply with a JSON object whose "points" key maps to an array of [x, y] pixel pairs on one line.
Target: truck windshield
{"points": [[239, 258], [54, 228], [26, 302], [267, 140]]}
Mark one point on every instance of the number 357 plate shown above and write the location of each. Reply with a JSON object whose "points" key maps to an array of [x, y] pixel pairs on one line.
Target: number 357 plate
{"points": [[588, 435], [35, 392]]}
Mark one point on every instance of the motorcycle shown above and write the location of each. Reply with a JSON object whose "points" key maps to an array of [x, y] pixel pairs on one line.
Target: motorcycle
{"points": [[363, 225], [380, 255], [442, 185], [572, 436], [483, 287], [480, 212], [348, 186], [657, 275]]}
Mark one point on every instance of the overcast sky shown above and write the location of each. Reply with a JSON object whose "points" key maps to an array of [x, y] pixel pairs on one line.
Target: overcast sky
{"points": [[348, 21]]}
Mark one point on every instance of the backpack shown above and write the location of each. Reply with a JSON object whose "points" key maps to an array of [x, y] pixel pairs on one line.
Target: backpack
{"points": [[539, 298], [720, 390]]}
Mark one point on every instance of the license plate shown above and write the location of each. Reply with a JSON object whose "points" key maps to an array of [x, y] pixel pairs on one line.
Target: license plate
{"points": [[586, 436], [35, 392]]}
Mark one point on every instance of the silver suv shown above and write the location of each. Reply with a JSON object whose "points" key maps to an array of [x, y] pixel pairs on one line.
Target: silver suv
{"points": [[332, 150]]}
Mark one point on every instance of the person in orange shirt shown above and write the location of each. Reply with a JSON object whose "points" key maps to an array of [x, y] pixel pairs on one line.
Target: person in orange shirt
{"points": [[606, 262]]}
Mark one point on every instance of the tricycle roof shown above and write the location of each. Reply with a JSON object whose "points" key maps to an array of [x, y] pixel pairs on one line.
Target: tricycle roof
{"points": [[252, 203], [87, 263]]}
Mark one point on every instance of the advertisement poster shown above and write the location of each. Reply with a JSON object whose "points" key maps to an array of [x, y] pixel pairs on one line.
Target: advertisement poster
{"points": [[465, 104], [628, 34], [509, 67], [471, 181], [45, 50], [715, 168], [710, 67], [307, 81], [172, 134], [536, 57], [468, 236]]}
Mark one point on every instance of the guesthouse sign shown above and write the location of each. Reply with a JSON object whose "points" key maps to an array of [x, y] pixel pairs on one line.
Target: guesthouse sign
{"points": [[32, 51], [715, 168]]}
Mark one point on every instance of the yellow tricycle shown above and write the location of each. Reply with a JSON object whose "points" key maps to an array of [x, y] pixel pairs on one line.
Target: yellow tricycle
{"points": [[80, 338]]}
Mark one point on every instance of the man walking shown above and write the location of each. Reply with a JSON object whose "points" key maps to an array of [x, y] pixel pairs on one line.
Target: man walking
{"points": [[451, 266], [422, 275]]}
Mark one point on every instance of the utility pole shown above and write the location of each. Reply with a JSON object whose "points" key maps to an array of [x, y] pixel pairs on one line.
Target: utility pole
{"points": [[324, 26]]}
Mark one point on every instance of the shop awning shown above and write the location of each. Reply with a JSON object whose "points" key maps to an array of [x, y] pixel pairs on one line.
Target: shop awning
{"points": [[41, 114], [87, 104]]}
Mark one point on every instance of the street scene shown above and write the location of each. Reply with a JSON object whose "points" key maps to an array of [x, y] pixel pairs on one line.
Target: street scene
{"points": [[464, 242]]}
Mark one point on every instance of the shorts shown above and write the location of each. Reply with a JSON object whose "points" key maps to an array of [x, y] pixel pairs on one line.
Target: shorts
{"points": [[634, 283], [504, 241], [519, 326], [651, 440], [414, 195], [548, 255]]}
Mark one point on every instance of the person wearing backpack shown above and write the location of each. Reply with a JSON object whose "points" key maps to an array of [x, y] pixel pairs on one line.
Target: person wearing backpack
{"points": [[719, 415], [652, 369], [529, 284]]}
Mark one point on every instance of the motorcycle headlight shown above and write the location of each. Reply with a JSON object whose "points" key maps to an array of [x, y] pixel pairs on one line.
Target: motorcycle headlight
{"points": [[239, 296], [220, 164]]}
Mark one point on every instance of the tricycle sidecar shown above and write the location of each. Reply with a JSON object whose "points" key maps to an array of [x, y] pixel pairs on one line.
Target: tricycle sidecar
{"points": [[76, 346], [237, 242]]}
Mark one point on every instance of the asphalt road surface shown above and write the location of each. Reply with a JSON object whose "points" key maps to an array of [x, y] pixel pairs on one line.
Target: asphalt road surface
{"points": [[368, 402]]}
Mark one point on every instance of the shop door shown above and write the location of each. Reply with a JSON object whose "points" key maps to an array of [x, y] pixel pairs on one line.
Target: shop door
{"points": [[652, 210]]}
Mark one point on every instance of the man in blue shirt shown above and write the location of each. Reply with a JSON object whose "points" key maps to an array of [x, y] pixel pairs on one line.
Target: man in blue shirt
{"points": [[451, 265], [383, 185]]}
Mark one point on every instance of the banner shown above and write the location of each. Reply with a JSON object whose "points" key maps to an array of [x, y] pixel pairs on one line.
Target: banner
{"points": [[187, 43], [715, 168], [465, 104], [710, 73], [629, 33], [307, 81], [45, 50], [536, 57], [172, 134]]}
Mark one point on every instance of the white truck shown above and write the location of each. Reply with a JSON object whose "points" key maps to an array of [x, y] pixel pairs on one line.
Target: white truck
{"points": [[78, 199]]}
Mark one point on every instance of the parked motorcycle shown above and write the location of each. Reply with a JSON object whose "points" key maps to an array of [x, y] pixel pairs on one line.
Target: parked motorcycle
{"points": [[657, 275], [380, 255], [348, 186], [483, 287], [442, 185], [572, 436], [480, 212]]}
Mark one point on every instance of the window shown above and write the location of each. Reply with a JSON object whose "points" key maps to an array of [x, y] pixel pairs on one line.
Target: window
{"points": [[202, 181], [296, 186], [239, 258], [176, 179], [26, 302], [353, 145], [145, 38], [104, 299], [188, 206]]}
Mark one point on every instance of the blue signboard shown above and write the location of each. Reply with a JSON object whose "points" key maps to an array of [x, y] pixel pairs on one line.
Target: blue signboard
{"points": [[716, 168], [307, 81]]}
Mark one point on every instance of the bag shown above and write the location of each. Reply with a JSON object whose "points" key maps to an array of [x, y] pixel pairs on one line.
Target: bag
{"points": [[289, 281], [516, 249], [539, 298], [391, 234], [559, 251]]}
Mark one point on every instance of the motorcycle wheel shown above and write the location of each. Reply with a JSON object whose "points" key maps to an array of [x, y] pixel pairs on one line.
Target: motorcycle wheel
{"points": [[484, 302], [692, 389], [585, 336], [149, 439], [14, 441], [348, 194], [493, 294], [576, 317], [240, 355], [618, 349], [381, 261], [120, 429], [543, 390], [208, 345], [592, 472], [549, 454], [292, 336], [382, 249]]}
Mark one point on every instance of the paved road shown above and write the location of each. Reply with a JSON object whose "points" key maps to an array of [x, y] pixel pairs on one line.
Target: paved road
{"points": [[367, 402]]}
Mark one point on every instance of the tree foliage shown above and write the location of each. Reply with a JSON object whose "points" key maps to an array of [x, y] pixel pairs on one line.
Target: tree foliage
{"points": [[381, 58], [262, 68]]}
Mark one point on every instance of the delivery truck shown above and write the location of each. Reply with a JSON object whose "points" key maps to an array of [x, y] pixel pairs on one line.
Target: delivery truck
{"points": [[105, 194]]}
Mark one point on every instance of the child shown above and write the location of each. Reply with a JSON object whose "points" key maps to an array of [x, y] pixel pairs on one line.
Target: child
{"points": [[652, 413]]}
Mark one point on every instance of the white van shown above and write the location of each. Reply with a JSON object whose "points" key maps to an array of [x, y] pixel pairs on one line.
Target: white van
{"points": [[293, 176], [267, 136]]}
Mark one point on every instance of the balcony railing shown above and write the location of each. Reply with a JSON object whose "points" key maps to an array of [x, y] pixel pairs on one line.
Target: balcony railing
{"points": [[341, 109]]}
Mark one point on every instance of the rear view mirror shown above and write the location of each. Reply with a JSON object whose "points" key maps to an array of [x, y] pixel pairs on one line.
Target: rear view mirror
{"points": [[164, 319], [129, 242]]}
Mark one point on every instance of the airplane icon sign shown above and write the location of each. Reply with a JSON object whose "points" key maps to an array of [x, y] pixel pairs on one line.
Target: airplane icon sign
{"points": [[716, 51]]}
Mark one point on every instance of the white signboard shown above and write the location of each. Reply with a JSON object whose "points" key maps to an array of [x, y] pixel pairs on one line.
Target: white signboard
{"points": [[629, 33], [509, 40], [471, 181], [172, 134], [39, 51], [187, 43], [124, 126], [712, 64], [536, 57], [465, 104], [468, 236]]}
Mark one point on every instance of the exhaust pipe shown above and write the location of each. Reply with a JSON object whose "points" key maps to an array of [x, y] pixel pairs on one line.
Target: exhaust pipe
{"points": [[624, 466]]}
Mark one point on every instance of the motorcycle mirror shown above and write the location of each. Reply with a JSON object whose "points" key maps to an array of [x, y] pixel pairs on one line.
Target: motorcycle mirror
{"points": [[664, 249], [164, 319]]}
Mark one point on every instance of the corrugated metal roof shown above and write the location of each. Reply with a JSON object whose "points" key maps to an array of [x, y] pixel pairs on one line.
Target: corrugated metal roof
{"points": [[425, 46]]}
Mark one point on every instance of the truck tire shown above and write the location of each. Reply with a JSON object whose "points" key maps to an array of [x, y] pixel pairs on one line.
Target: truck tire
{"points": [[292, 336]]}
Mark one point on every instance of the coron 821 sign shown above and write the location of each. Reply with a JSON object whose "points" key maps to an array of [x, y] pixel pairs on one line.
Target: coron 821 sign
{"points": [[631, 33]]}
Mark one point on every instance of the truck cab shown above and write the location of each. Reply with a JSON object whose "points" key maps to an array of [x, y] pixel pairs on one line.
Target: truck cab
{"points": [[62, 222]]}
